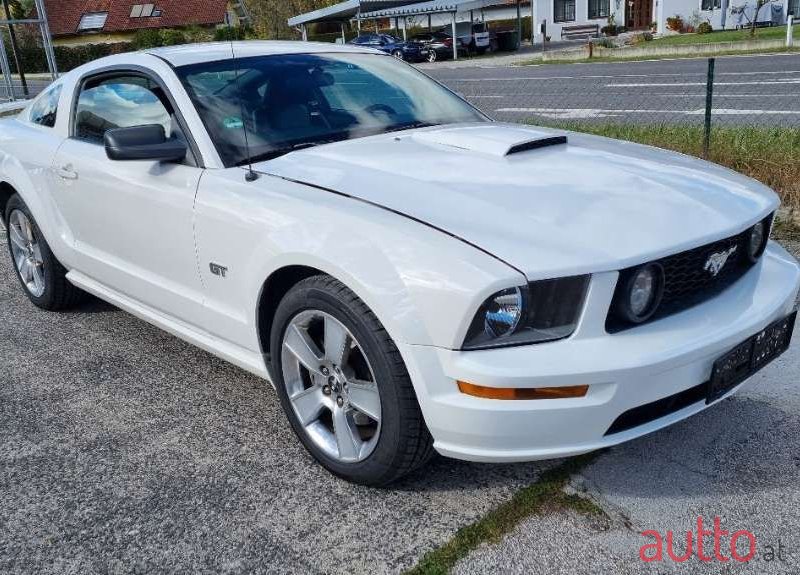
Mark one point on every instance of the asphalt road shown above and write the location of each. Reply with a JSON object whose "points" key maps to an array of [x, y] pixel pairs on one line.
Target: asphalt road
{"points": [[125, 450], [748, 90], [738, 461]]}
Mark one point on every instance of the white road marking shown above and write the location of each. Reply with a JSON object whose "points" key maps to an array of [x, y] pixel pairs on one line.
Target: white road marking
{"points": [[780, 82], [612, 76], [584, 113]]}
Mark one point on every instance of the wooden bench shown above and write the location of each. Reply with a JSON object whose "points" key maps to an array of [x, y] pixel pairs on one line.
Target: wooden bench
{"points": [[580, 32]]}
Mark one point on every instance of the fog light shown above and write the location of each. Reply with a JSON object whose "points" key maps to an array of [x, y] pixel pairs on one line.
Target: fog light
{"points": [[522, 393], [757, 241], [643, 293]]}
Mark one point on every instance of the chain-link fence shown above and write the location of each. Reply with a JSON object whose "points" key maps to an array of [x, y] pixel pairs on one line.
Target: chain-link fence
{"points": [[742, 112]]}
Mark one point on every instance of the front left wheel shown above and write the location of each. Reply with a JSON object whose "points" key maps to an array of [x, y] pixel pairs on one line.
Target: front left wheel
{"points": [[344, 386], [43, 278]]}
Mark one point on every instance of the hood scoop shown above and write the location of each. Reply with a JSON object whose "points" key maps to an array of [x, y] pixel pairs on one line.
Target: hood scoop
{"points": [[493, 139]]}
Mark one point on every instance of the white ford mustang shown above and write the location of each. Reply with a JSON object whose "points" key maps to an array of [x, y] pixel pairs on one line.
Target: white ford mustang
{"points": [[409, 275]]}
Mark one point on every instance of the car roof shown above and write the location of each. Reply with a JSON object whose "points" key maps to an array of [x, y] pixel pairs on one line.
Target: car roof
{"points": [[215, 51]]}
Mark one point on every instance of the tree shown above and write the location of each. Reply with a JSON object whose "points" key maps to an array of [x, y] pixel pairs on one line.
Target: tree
{"points": [[751, 20], [270, 16]]}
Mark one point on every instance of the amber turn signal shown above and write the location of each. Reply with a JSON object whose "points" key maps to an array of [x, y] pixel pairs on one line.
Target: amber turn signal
{"points": [[522, 393]]}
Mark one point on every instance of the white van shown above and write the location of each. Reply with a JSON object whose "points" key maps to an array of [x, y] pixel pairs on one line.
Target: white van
{"points": [[473, 36]]}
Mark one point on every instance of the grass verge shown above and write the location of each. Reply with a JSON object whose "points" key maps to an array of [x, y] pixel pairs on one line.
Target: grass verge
{"points": [[771, 155], [648, 58], [772, 33], [546, 495]]}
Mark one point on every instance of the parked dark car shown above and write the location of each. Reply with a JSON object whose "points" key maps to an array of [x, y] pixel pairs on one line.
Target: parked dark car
{"points": [[410, 51], [438, 44]]}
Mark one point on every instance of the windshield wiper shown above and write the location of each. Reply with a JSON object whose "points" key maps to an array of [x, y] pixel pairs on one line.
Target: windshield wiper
{"points": [[278, 152], [409, 126]]}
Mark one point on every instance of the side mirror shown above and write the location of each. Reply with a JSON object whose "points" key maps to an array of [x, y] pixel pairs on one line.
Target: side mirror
{"points": [[143, 143]]}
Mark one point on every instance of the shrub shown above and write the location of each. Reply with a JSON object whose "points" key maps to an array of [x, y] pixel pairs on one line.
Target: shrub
{"points": [[675, 23], [705, 28], [147, 38], [226, 34], [641, 38], [610, 30], [172, 37]]}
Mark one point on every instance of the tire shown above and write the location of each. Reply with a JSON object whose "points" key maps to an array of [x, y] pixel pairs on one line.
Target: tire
{"points": [[432, 56], [52, 291], [402, 443], [398, 54]]}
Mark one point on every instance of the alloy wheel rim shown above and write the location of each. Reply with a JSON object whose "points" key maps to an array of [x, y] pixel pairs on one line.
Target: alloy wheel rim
{"points": [[27, 253], [331, 386]]}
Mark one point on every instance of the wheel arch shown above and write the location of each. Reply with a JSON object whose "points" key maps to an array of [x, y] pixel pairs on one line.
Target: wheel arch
{"points": [[273, 290], [6, 191]]}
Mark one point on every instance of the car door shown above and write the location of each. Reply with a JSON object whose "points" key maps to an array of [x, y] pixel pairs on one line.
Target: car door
{"points": [[131, 220]]}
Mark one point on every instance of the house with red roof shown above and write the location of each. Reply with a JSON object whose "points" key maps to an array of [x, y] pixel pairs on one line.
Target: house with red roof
{"points": [[74, 22]]}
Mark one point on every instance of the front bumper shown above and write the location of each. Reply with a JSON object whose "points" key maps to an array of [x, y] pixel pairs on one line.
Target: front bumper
{"points": [[624, 371]]}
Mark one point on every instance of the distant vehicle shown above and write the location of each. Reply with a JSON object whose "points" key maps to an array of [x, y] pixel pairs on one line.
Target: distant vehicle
{"points": [[438, 44], [410, 51], [473, 37]]}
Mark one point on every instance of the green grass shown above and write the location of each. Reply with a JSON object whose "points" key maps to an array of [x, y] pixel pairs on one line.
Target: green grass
{"points": [[546, 495], [647, 58], [776, 33], [768, 154]]}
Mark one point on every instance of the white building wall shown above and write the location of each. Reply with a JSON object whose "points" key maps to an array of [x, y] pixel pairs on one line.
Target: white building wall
{"points": [[686, 9]]}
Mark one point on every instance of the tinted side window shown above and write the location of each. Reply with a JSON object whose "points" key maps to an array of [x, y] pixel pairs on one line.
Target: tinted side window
{"points": [[120, 102], [44, 110]]}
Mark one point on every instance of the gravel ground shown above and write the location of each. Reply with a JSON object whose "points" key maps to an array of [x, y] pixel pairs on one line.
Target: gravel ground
{"points": [[739, 461], [123, 449]]}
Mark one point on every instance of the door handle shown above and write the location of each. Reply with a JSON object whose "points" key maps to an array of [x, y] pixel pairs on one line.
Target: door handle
{"points": [[67, 173]]}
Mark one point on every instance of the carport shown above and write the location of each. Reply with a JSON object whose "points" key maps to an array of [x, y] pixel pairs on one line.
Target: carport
{"points": [[341, 13], [452, 7]]}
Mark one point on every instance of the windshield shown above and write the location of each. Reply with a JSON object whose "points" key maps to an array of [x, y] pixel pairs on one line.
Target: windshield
{"points": [[290, 102]]}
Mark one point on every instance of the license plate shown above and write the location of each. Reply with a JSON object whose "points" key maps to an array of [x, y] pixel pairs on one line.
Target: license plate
{"points": [[749, 357]]}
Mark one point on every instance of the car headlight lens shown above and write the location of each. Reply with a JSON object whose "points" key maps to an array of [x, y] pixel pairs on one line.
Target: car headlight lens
{"points": [[757, 242], [541, 311], [643, 291]]}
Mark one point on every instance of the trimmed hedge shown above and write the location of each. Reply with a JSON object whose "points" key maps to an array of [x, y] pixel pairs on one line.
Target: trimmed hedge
{"points": [[34, 61]]}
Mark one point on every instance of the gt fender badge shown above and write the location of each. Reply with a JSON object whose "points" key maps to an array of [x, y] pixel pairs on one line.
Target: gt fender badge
{"points": [[218, 270], [717, 261]]}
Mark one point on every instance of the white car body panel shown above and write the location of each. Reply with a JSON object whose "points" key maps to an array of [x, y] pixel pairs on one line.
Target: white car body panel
{"points": [[423, 226], [565, 204]]}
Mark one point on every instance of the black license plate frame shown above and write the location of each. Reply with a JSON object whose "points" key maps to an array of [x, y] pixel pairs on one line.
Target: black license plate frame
{"points": [[750, 357]]}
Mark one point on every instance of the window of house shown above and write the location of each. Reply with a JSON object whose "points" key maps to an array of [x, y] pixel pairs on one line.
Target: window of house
{"points": [[44, 109], [710, 4], [143, 11], [92, 21], [563, 10], [598, 9]]}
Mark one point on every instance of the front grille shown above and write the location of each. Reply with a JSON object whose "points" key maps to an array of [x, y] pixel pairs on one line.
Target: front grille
{"points": [[687, 282]]}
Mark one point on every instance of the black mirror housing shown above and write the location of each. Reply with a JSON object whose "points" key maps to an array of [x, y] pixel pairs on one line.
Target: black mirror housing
{"points": [[143, 143]]}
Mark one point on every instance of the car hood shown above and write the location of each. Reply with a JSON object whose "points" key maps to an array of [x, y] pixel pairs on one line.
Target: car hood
{"points": [[545, 207]]}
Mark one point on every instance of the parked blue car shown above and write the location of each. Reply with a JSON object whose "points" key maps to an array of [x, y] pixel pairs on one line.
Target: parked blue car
{"points": [[411, 51]]}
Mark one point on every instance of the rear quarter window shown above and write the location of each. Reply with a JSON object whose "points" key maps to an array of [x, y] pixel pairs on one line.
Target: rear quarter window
{"points": [[44, 109]]}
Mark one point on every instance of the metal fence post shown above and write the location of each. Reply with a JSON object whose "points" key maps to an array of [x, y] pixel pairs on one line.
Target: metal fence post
{"points": [[6, 68], [709, 103]]}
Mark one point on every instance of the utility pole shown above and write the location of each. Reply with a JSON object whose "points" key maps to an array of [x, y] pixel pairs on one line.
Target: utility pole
{"points": [[15, 50]]}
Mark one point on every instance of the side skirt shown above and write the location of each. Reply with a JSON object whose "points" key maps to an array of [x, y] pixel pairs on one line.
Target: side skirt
{"points": [[238, 356]]}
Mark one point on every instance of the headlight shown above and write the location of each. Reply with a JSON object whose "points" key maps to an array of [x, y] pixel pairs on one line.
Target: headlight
{"points": [[541, 311], [757, 241], [642, 293]]}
